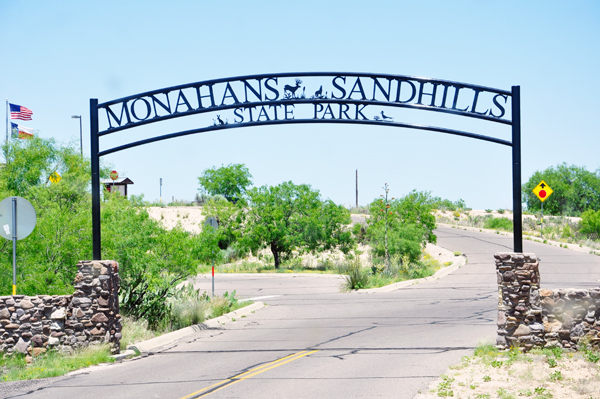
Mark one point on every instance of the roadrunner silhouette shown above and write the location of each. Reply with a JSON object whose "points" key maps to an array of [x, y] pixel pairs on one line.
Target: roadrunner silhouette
{"points": [[385, 117]]}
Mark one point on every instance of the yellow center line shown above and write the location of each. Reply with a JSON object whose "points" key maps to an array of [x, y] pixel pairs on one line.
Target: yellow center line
{"points": [[250, 373]]}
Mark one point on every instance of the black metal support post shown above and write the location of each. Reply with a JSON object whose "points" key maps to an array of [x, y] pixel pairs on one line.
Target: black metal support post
{"points": [[95, 160], [121, 114], [516, 169]]}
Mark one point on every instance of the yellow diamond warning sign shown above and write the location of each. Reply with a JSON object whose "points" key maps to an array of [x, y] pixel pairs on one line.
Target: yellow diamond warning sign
{"points": [[55, 177], [542, 191]]}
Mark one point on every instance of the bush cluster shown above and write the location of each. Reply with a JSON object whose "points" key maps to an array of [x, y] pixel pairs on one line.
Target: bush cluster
{"points": [[152, 260]]}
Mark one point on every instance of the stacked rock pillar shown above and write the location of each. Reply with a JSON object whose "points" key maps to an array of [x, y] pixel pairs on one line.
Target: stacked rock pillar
{"points": [[94, 309], [519, 306], [34, 324]]}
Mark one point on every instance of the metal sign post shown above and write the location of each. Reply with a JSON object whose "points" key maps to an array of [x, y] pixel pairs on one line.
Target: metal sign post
{"points": [[542, 191], [14, 243], [16, 228], [215, 225], [114, 176]]}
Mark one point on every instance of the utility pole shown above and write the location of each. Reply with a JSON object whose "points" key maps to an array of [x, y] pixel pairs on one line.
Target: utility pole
{"points": [[356, 188]]}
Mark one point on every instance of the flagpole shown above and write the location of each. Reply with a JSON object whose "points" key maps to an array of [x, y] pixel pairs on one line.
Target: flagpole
{"points": [[7, 121]]}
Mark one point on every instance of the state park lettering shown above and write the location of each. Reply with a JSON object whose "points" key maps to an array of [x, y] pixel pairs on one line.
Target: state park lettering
{"points": [[274, 97]]}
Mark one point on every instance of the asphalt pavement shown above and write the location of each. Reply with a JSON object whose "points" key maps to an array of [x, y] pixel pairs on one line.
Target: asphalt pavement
{"points": [[312, 341]]}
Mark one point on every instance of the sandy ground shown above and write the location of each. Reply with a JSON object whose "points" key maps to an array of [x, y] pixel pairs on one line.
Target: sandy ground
{"points": [[572, 377], [190, 217]]}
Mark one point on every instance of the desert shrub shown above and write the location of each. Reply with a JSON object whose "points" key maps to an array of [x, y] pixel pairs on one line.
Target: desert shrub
{"points": [[231, 254], [134, 330], [188, 307], [407, 223], [356, 277], [225, 304], [360, 209], [402, 240], [447, 205], [359, 231], [152, 260], [590, 224], [499, 224]]}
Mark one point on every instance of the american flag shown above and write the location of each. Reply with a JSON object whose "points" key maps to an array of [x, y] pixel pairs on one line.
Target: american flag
{"points": [[19, 112]]}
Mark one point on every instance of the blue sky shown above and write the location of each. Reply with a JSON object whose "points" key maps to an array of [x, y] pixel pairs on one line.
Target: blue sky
{"points": [[59, 54]]}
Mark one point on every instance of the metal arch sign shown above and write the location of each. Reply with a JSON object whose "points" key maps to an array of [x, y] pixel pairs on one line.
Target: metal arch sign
{"points": [[306, 97]]}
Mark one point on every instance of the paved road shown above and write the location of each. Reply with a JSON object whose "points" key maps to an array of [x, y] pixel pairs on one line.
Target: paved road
{"points": [[314, 342]]}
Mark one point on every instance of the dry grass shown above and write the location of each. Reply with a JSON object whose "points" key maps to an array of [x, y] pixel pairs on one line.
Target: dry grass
{"points": [[540, 374]]}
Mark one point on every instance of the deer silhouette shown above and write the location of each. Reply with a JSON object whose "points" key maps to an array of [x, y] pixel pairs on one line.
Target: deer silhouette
{"points": [[292, 89]]}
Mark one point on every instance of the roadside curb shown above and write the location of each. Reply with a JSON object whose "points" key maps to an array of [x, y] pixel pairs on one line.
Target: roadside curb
{"points": [[169, 339], [443, 272]]}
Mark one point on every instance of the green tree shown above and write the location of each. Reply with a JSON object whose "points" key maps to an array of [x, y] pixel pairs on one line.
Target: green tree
{"points": [[590, 224], [229, 216], [230, 181], [207, 245], [291, 217], [46, 259], [575, 190], [152, 260], [408, 221]]}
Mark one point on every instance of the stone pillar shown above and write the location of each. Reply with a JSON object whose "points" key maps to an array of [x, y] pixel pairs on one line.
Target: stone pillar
{"points": [[94, 310], [33, 324], [519, 306]]}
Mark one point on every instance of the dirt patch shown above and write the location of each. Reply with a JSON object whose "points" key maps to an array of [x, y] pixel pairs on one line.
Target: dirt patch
{"points": [[190, 217], [533, 375]]}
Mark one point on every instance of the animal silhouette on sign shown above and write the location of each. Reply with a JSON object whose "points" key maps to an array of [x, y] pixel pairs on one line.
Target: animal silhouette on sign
{"points": [[319, 93], [290, 91], [383, 118], [219, 121]]}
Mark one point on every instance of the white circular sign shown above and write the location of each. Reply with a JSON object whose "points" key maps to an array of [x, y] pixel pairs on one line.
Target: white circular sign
{"points": [[26, 218]]}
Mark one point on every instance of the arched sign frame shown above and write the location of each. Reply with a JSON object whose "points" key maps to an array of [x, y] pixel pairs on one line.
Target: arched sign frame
{"points": [[343, 101]]}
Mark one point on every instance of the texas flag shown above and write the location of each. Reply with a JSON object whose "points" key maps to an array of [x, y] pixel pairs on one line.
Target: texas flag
{"points": [[21, 132]]}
